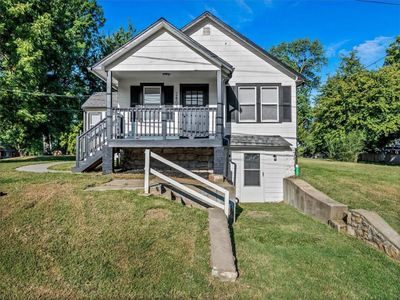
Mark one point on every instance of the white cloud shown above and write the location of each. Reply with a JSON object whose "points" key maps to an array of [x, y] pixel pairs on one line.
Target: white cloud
{"points": [[372, 50], [242, 4], [332, 49]]}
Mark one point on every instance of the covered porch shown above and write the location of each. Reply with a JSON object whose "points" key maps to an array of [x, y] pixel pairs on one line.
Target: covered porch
{"points": [[165, 105]]}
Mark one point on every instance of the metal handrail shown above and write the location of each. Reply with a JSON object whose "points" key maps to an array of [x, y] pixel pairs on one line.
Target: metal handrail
{"points": [[148, 171]]}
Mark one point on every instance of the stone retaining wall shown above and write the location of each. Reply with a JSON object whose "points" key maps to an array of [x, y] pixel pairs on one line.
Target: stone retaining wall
{"points": [[365, 225], [194, 159], [371, 228]]}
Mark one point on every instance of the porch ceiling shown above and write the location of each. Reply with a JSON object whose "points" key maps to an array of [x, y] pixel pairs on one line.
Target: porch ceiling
{"points": [[162, 76]]}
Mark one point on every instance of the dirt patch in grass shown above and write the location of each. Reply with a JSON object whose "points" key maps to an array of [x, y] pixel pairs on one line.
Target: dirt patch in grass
{"points": [[160, 214]]}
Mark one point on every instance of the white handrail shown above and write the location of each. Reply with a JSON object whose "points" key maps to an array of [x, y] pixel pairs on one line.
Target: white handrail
{"points": [[148, 170]]}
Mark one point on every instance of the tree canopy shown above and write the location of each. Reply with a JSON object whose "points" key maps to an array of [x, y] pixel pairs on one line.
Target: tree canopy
{"points": [[365, 103], [45, 49]]}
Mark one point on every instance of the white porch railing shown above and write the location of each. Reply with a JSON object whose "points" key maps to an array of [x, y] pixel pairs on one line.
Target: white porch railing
{"points": [[148, 170], [91, 142], [164, 122]]}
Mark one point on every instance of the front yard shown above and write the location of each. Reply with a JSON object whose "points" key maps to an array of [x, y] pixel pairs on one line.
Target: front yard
{"points": [[58, 241]]}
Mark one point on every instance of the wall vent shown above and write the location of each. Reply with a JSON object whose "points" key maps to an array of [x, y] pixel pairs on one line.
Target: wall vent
{"points": [[206, 30]]}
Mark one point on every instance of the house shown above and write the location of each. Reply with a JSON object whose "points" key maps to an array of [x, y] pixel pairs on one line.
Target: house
{"points": [[203, 96], [6, 152]]}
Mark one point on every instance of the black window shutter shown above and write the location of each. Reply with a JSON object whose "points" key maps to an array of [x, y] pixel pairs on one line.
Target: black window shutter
{"points": [[135, 95], [232, 103], [286, 107], [169, 95]]}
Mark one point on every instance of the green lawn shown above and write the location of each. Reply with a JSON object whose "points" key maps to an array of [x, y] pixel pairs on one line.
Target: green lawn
{"points": [[369, 186], [57, 241], [63, 167]]}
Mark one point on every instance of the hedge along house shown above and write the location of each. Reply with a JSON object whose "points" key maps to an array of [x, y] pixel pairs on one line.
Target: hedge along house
{"points": [[203, 96]]}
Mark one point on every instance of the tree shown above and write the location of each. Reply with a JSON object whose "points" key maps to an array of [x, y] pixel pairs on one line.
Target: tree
{"points": [[355, 100], [41, 49], [393, 53], [307, 57]]}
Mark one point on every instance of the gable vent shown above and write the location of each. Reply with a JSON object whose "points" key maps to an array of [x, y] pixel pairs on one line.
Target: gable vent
{"points": [[206, 30]]}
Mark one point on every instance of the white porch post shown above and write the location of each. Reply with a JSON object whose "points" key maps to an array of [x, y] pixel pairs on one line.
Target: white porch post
{"points": [[147, 171], [107, 152], [109, 105], [219, 117]]}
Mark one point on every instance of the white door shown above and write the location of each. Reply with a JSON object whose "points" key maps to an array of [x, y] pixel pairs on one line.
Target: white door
{"points": [[252, 178]]}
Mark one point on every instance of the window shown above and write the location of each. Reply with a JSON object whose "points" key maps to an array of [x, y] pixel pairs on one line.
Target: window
{"points": [[251, 169], [247, 103], [94, 118], [269, 103], [195, 95], [152, 95]]}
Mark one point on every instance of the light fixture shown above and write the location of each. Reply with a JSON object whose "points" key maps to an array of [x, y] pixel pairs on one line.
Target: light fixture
{"points": [[166, 74]]}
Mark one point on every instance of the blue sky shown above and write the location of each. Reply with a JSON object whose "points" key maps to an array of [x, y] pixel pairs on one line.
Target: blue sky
{"points": [[341, 25]]}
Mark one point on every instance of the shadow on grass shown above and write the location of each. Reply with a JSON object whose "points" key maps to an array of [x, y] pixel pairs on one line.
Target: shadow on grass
{"points": [[38, 159]]}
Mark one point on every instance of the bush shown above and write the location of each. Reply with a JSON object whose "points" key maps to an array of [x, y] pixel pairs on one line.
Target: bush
{"points": [[68, 140], [345, 147]]}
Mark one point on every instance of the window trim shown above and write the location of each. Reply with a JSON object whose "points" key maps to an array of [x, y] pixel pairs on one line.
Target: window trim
{"points": [[259, 169], [152, 86], [277, 104], [248, 104]]}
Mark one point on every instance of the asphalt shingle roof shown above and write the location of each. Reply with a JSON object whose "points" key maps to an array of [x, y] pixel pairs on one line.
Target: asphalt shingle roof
{"points": [[99, 100], [258, 140]]}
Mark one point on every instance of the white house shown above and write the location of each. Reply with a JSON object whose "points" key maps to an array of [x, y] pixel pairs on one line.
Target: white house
{"points": [[203, 96]]}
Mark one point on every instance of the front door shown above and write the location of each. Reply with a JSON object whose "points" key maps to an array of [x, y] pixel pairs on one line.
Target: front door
{"points": [[195, 122], [252, 178]]}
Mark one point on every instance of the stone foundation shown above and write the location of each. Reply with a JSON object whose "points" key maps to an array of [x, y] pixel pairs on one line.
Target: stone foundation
{"points": [[371, 228], [200, 160]]}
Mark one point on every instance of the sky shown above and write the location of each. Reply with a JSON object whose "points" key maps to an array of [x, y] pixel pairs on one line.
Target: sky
{"points": [[367, 26]]}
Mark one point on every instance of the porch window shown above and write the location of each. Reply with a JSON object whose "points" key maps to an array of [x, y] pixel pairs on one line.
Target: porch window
{"points": [[194, 95], [247, 96], [251, 169], [152, 95], [269, 103]]}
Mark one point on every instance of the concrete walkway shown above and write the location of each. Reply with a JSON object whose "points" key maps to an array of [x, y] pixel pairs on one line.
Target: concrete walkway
{"points": [[42, 168]]}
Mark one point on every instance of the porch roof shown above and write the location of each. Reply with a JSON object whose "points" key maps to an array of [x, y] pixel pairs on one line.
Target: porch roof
{"points": [[241, 140], [98, 100]]}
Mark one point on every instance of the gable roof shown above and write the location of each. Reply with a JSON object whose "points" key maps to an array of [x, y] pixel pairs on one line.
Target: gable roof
{"points": [[207, 16], [161, 24]]}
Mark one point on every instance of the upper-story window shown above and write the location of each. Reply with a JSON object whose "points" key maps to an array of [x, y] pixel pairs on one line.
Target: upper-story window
{"points": [[247, 96], [269, 103]]}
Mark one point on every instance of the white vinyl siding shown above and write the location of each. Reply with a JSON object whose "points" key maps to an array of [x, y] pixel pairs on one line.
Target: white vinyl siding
{"points": [[162, 53], [269, 104], [249, 68], [247, 96]]}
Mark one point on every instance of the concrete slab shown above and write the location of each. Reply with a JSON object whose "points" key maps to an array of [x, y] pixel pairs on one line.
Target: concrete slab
{"points": [[222, 259], [42, 168], [119, 184]]}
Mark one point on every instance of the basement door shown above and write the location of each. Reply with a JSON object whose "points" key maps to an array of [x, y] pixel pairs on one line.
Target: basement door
{"points": [[252, 182]]}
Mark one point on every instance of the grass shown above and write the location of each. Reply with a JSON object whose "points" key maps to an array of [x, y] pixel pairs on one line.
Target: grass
{"points": [[369, 186], [63, 167], [57, 241]]}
